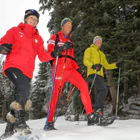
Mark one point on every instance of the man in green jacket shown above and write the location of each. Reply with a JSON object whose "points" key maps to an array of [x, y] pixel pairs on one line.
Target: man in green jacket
{"points": [[95, 61]]}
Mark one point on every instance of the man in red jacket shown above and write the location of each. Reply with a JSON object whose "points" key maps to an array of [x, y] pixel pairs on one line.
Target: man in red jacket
{"points": [[67, 70], [21, 44]]}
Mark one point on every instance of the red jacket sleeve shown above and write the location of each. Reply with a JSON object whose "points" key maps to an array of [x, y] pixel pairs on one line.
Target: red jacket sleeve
{"points": [[8, 37], [51, 43], [43, 55]]}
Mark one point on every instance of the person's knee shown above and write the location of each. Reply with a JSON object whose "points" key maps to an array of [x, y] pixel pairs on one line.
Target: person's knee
{"points": [[28, 105], [84, 87], [18, 106], [15, 106], [105, 91]]}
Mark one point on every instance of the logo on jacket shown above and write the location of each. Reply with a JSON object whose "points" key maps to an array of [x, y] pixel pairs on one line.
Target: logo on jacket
{"points": [[58, 78], [21, 34], [36, 40]]}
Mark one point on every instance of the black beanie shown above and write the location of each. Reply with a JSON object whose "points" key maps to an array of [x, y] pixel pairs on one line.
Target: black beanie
{"points": [[30, 12]]}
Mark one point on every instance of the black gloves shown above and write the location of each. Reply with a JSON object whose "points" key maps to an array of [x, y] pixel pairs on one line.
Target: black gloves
{"points": [[68, 45], [119, 64], [59, 49], [56, 52], [5, 48], [97, 67]]}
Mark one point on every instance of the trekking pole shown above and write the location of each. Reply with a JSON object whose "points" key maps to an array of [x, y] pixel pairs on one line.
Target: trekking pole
{"points": [[55, 68], [60, 86], [70, 93], [117, 100], [93, 81]]}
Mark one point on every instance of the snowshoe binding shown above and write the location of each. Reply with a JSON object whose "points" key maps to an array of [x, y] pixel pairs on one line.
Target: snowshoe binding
{"points": [[103, 120], [20, 124], [91, 119]]}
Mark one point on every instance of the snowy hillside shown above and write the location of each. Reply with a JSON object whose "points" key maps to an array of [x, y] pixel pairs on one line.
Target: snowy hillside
{"points": [[120, 130]]}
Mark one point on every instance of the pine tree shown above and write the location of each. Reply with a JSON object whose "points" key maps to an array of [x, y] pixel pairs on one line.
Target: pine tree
{"points": [[6, 95], [40, 91]]}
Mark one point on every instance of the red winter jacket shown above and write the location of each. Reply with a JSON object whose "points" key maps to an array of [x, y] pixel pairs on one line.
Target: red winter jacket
{"points": [[27, 43], [70, 63]]}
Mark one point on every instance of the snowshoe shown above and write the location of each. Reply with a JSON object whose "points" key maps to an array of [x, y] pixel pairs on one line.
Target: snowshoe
{"points": [[91, 119], [105, 120], [20, 124], [9, 131], [49, 126], [25, 135], [26, 131], [22, 127], [6, 135], [28, 137]]}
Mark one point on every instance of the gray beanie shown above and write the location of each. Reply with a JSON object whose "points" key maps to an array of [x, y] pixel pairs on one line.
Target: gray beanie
{"points": [[97, 38]]}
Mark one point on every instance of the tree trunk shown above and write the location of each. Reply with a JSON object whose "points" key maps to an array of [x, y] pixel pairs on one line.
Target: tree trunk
{"points": [[112, 88], [4, 110], [126, 87], [138, 77]]}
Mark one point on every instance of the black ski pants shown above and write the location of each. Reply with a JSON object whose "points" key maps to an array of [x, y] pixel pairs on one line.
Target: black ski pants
{"points": [[22, 84], [101, 91]]}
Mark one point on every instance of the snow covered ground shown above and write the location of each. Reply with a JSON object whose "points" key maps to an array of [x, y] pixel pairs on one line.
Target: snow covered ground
{"points": [[119, 130]]}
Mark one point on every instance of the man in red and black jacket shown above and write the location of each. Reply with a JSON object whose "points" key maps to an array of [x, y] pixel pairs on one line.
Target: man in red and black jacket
{"points": [[21, 45], [67, 70]]}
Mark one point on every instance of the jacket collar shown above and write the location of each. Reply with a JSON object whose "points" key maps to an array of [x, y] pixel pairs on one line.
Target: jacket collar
{"points": [[29, 30], [63, 36], [94, 46]]}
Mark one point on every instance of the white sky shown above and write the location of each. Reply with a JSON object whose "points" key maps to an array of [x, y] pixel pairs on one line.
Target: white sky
{"points": [[68, 130], [12, 13]]}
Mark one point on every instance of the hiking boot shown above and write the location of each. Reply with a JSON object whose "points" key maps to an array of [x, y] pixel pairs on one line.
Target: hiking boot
{"points": [[49, 126], [9, 131], [103, 120], [19, 112], [91, 119], [20, 123]]}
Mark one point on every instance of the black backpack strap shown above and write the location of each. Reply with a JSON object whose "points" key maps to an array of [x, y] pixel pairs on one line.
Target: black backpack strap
{"points": [[56, 41]]}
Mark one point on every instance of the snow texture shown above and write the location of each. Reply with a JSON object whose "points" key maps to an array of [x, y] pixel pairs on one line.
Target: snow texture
{"points": [[67, 130]]}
